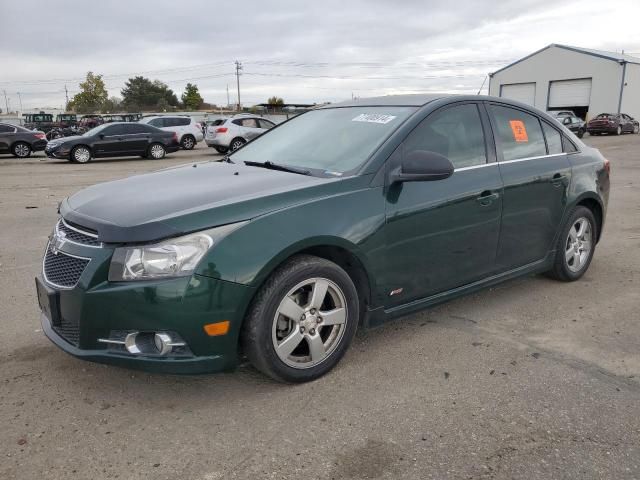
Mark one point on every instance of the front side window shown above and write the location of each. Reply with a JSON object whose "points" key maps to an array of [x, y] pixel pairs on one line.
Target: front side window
{"points": [[518, 133], [266, 124], [113, 130], [454, 132], [554, 139], [327, 141]]}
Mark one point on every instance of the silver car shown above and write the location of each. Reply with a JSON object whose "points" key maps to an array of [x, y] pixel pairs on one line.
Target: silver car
{"points": [[232, 133]]}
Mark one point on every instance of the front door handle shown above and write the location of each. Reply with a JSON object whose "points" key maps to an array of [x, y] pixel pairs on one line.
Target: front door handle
{"points": [[487, 197]]}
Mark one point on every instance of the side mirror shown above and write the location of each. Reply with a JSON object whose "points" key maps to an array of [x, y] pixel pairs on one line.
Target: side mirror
{"points": [[422, 166], [101, 136], [566, 121]]}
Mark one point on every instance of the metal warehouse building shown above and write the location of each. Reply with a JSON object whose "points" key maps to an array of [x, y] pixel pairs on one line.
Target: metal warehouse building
{"points": [[586, 81]]}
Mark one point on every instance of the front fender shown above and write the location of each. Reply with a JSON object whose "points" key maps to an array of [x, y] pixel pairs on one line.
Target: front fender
{"points": [[351, 221]]}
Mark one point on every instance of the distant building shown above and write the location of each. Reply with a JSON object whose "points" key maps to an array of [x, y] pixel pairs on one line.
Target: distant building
{"points": [[586, 81]]}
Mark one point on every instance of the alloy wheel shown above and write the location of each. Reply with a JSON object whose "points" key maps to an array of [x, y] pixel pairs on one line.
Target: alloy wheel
{"points": [[187, 143], [578, 245], [236, 145], [157, 151], [636, 128], [81, 155], [309, 323], [22, 150]]}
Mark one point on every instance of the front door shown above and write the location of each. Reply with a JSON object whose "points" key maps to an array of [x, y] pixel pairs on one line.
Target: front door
{"points": [[536, 175], [444, 234], [109, 142]]}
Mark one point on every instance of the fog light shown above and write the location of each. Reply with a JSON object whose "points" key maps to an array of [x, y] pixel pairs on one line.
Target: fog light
{"points": [[147, 343], [163, 342]]}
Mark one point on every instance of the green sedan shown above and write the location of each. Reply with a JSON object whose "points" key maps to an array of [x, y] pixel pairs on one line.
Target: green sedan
{"points": [[341, 218]]}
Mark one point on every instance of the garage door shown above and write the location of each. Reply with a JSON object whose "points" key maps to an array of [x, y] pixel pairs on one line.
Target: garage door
{"points": [[570, 93], [522, 92]]}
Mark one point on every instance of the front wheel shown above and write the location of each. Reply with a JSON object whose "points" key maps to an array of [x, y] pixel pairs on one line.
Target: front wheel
{"points": [[580, 133], [575, 246], [21, 150], [157, 151], [636, 128], [302, 320], [80, 154]]}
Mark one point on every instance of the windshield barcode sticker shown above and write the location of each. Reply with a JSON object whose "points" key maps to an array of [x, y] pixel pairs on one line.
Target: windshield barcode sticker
{"points": [[373, 118]]}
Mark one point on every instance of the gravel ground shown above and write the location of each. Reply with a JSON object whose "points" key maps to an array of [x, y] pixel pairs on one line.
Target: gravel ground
{"points": [[532, 379]]}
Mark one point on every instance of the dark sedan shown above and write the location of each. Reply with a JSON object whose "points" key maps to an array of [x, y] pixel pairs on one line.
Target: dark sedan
{"points": [[613, 123], [19, 141], [573, 123], [115, 140]]}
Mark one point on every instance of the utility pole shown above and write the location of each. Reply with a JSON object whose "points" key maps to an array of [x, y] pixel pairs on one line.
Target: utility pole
{"points": [[20, 100], [6, 102], [228, 101], [238, 70], [66, 94]]}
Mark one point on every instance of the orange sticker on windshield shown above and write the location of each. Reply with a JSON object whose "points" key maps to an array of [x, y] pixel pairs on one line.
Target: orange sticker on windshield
{"points": [[519, 131]]}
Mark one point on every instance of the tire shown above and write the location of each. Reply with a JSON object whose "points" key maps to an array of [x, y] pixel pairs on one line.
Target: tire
{"points": [[236, 143], [618, 130], [290, 288], [80, 154], [580, 133], [156, 151], [222, 150], [188, 142], [570, 263], [21, 150], [636, 129]]}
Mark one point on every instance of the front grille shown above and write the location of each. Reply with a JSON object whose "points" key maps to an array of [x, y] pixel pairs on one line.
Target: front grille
{"points": [[76, 234], [62, 270], [68, 330]]}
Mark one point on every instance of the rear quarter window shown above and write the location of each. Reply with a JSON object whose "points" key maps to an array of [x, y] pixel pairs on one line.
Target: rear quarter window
{"points": [[518, 133], [554, 139], [182, 122]]}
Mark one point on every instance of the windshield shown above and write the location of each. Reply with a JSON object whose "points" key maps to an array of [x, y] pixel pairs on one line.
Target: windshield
{"points": [[96, 130], [332, 140]]}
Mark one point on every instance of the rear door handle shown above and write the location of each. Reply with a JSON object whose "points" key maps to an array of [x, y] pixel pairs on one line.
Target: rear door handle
{"points": [[559, 180], [487, 197]]}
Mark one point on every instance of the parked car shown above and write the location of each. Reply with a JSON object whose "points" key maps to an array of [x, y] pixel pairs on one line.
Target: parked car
{"points": [[20, 141], [575, 124], [343, 217], [562, 113], [114, 140], [233, 133], [612, 123], [188, 130]]}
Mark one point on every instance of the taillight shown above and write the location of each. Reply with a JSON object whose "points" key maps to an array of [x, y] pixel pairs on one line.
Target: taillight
{"points": [[607, 166], [175, 137], [41, 136], [221, 130], [198, 126]]}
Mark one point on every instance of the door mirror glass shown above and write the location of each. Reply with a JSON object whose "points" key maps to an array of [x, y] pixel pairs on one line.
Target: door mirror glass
{"points": [[566, 121], [422, 166]]}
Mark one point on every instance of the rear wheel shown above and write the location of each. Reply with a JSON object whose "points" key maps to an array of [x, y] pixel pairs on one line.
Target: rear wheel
{"points": [[188, 142], [21, 150], [80, 154], [575, 246], [222, 150], [156, 151], [302, 320], [236, 143], [619, 130]]}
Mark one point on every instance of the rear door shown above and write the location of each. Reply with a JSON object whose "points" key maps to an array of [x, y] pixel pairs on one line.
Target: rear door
{"points": [[135, 139], [536, 175], [444, 234]]}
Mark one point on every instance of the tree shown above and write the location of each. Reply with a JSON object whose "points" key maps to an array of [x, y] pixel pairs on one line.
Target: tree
{"points": [[275, 101], [140, 93], [93, 94], [112, 105], [191, 98]]}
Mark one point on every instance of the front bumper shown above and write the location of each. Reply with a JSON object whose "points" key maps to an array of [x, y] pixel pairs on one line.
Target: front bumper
{"points": [[96, 308], [38, 145], [59, 153]]}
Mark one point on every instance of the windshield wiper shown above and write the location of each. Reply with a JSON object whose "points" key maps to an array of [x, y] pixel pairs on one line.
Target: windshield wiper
{"points": [[277, 166]]}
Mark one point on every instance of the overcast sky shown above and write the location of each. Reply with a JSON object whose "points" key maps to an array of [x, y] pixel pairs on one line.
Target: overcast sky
{"points": [[301, 51]]}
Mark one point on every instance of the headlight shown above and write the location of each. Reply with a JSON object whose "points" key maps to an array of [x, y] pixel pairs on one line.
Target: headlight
{"points": [[174, 257]]}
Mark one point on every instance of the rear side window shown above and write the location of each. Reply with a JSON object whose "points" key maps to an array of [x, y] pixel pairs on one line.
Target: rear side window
{"points": [[518, 133], [6, 129], [215, 123], [181, 122], [157, 122], [554, 139], [454, 132], [250, 122], [136, 128]]}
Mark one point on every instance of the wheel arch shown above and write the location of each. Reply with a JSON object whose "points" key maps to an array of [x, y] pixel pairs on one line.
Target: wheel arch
{"points": [[594, 204], [20, 141]]}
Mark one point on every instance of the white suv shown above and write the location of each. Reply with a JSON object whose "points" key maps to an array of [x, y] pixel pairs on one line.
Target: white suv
{"points": [[189, 131], [232, 133]]}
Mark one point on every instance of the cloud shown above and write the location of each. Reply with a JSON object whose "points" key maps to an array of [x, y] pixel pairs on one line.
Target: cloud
{"points": [[301, 51]]}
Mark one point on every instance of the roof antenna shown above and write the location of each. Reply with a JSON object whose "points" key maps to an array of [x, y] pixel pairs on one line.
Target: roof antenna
{"points": [[483, 81]]}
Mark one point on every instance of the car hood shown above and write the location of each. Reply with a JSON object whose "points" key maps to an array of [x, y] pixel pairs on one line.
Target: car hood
{"points": [[64, 140], [184, 199]]}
